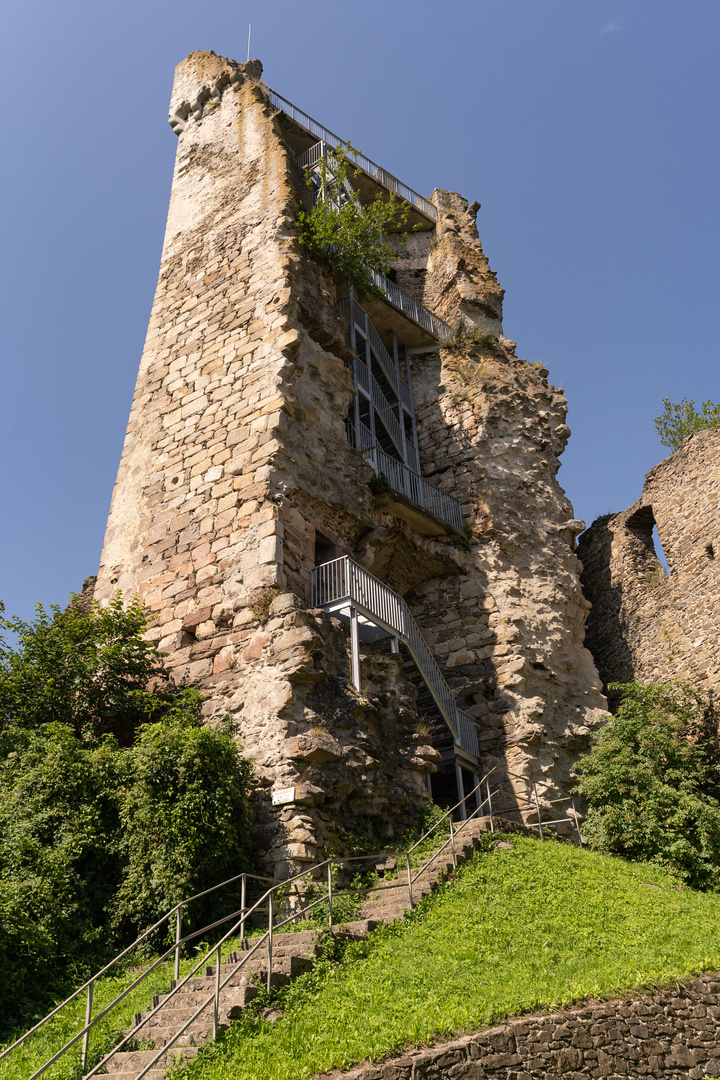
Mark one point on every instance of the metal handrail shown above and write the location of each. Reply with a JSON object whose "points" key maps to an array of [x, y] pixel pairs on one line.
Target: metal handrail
{"points": [[414, 310], [407, 482], [354, 312], [344, 580], [267, 936], [138, 941], [375, 171]]}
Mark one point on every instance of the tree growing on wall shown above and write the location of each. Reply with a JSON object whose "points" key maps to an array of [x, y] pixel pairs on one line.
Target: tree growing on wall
{"points": [[652, 781], [680, 419], [348, 237]]}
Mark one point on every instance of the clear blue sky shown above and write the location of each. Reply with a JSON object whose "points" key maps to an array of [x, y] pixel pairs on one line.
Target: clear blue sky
{"points": [[587, 129]]}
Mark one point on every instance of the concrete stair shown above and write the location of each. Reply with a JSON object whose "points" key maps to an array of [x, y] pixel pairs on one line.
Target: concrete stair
{"points": [[293, 954]]}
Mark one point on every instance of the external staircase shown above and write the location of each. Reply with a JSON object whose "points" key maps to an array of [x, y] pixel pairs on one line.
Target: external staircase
{"points": [[343, 587], [228, 976], [293, 954]]}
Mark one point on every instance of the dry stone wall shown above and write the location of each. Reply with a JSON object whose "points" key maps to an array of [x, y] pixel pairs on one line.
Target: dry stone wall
{"points": [[671, 1033], [236, 471], [647, 624]]}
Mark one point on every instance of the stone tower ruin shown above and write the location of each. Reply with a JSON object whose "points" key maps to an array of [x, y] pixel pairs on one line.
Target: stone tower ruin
{"points": [[344, 517]]}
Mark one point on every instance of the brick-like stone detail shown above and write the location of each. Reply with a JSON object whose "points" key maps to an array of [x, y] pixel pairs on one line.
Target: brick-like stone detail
{"points": [[236, 466], [644, 623], [670, 1033]]}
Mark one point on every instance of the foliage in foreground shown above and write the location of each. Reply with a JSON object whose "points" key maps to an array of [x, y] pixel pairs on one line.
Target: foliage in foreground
{"points": [[539, 925], [652, 782], [349, 237], [116, 801], [681, 419]]}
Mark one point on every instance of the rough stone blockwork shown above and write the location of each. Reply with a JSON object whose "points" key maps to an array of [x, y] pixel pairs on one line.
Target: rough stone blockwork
{"points": [[237, 471], [644, 623], [671, 1033], [509, 628]]}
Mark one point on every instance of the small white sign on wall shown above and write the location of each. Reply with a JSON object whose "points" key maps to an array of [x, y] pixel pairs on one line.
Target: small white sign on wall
{"points": [[283, 795]]}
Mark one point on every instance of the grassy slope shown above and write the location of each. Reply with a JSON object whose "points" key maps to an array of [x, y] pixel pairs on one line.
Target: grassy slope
{"points": [[539, 925]]}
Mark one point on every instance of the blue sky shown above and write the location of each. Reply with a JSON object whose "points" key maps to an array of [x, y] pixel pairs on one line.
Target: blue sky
{"points": [[587, 130]]}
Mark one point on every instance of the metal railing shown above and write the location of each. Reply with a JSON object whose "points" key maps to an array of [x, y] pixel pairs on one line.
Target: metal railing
{"points": [[412, 308], [359, 160], [350, 309], [342, 580], [404, 480], [267, 903], [372, 388]]}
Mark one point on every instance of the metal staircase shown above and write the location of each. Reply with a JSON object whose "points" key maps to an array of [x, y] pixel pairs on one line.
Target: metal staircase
{"points": [[344, 587]]}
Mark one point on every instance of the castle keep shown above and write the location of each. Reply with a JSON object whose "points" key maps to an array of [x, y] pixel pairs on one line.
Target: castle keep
{"points": [[344, 517]]}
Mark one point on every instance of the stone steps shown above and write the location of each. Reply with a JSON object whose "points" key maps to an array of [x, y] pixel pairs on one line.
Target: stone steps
{"points": [[293, 954]]}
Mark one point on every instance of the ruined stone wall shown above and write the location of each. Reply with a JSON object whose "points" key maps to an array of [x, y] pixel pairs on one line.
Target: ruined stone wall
{"points": [[508, 630], [236, 465], [644, 623], [671, 1033], [238, 409]]}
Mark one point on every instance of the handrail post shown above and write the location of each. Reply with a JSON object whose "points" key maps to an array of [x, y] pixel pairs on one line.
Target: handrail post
{"points": [[355, 648], [492, 820], [178, 939], [216, 1004], [329, 875], [242, 909], [452, 842], [88, 1018], [410, 895], [537, 805], [270, 941], [577, 826]]}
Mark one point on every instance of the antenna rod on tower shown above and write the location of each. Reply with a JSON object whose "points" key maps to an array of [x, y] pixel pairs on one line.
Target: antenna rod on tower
{"points": [[249, 29]]}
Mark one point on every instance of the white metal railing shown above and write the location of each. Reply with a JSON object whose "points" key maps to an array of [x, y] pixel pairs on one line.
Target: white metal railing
{"points": [[359, 160], [344, 580], [409, 483], [414, 310], [351, 310]]}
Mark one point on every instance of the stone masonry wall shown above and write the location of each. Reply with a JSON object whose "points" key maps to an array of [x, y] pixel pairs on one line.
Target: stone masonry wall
{"points": [[235, 457], [671, 1033], [644, 623], [509, 628], [236, 466]]}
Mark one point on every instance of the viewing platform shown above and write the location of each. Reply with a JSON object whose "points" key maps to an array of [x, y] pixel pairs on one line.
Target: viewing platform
{"points": [[372, 178]]}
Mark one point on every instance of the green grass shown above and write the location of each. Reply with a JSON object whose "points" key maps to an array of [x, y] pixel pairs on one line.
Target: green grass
{"points": [[537, 926]]}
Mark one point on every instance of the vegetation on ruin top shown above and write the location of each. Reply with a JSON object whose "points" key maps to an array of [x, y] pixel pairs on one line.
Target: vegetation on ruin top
{"points": [[348, 237], [680, 419], [526, 927]]}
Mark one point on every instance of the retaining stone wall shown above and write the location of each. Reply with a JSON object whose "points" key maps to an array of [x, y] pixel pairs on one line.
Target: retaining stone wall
{"points": [[670, 1033]]}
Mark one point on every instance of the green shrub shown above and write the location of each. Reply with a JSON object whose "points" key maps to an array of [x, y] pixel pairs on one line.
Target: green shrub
{"points": [[116, 800], [652, 782], [348, 237], [681, 419]]}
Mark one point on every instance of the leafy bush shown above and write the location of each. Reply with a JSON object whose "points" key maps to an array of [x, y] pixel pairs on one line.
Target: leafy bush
{"points": [[652, 781], [681, 419], [116, 801], [349, 237]]}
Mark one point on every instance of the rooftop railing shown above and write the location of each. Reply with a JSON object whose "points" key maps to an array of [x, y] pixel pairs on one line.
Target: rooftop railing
{"points": [[359, 160]]}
